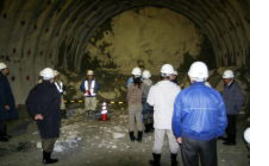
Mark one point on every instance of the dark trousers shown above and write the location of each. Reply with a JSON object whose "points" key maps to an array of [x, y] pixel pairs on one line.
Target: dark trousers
{"points": [[231, 128], [192, 150], [3, 128], [48, 144]]}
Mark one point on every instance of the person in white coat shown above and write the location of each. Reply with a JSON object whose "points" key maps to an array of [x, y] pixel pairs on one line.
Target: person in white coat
{"points": [[162, 96]]}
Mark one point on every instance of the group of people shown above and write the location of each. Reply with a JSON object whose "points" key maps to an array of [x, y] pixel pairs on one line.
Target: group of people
{"points": [[45, 104], [192, 119]]}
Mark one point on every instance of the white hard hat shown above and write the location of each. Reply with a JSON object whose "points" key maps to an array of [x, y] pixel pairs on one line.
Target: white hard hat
{"points": [[56, 73], [167, 69], [146, 74], [136, 71], [90, 72], [247, 135], [228, 74], [198, 71], [2, 66], [47, 73]]}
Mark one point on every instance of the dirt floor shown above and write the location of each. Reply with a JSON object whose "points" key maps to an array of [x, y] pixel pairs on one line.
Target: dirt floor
{"points": [[97, 143]]}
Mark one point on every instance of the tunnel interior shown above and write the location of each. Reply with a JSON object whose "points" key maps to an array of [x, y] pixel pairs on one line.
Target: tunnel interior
{"points": [[113, 36]]}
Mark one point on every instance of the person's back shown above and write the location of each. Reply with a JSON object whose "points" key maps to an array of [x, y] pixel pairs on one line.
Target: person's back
{"points": [[162, 96], [199, 118], [201, 105]]}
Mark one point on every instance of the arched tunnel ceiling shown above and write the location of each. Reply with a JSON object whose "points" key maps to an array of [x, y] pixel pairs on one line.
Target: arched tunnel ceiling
{"points": [[226, 24], [33, 33]]}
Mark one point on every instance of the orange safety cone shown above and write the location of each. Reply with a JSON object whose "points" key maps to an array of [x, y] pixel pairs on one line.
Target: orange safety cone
{"points": [[104, 116]]}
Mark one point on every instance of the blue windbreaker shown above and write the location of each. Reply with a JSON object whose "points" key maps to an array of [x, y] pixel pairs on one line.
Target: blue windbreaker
{"points": [[199, 113]]}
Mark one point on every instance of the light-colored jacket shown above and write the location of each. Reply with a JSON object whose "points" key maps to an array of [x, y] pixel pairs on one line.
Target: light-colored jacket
{"points": [[162, 96]]}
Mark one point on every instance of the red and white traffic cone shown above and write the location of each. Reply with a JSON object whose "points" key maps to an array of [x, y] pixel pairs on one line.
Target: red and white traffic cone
{"points": [[104, 116]]}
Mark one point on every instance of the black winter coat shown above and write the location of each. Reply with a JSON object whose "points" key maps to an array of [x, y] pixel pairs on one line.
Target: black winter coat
{"points": [[45, 99], [6, 98]]}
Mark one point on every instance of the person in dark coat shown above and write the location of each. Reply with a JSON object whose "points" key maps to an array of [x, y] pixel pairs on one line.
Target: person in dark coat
{"points": [[233, 99], [7, 103], [43, 104]]}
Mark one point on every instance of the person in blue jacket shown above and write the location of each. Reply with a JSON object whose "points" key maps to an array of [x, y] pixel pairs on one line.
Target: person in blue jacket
{"points": [[7, 103], [199, 118]]}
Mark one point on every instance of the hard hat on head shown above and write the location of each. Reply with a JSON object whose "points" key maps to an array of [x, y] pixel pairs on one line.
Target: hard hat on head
{"points": [[2, 66], [56, 73], [90, 72], [247, 135], [136, 71], [167, 70], [198, 71], [47, 73], [228, 74], [146, 74]]}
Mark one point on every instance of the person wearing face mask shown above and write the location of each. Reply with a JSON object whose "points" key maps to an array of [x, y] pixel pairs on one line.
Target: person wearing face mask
{"points": [[134, 99]]}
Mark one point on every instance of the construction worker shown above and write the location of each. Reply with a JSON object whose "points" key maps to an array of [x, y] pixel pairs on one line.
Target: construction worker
{"points": [[7, 103], [198, 119], [233, 99], [61, 89], [147, 109], [162, 96], [134, 99], [43, 104], [90, 87], [136, 72]]}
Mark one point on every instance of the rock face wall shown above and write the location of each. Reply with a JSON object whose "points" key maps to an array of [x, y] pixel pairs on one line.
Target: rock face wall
{"points": [[147, 37], [35, 34]]}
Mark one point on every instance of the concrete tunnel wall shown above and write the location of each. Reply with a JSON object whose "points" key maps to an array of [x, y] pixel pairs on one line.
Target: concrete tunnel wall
{"points": [[39, 33]]}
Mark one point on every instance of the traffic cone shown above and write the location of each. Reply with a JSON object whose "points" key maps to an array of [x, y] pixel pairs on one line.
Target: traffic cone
{"points": [[104, 116]]}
